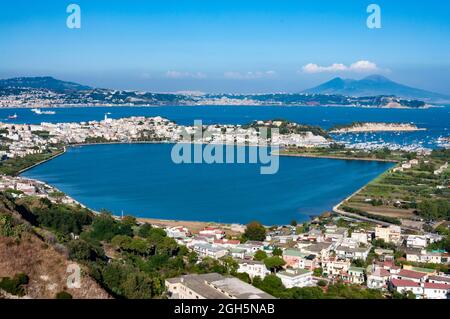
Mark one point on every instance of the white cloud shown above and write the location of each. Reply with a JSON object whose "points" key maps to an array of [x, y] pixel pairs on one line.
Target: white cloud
{"points": [[185, 75], [363, 66], [249, 75], [359, 66]]}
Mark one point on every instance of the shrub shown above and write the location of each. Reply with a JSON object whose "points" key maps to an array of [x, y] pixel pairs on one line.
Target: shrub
{"points": [[15, 285], [63, 295]]}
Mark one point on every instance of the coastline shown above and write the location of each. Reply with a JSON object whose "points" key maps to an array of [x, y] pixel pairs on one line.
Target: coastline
{"points": [[195, 224], [340, 158], [42, 162], [428, 106]]}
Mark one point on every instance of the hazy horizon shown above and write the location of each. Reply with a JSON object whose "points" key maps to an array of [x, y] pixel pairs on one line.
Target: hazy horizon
{"points": [[226, 46]]}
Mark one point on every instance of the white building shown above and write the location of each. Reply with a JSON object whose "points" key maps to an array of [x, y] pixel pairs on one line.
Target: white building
{"points": [[334, 267], [253, 268], [378, 279], [403, 286], [436, 291], [416, 241], [208, 250], [351, 253], [361, 237], [296, 278], [391, 234], [212, 286]]}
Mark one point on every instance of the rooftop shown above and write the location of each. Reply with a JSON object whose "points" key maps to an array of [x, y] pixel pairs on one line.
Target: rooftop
{"points": [[411, 274], [404, 283], [216, 286], [294, 272]]}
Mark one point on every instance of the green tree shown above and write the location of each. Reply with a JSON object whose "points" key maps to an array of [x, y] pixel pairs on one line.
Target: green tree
{"points": [[270, 284], [80, 250], [318, 272], [260, 255], [63, 295], [145, 230], [277, 251], [274, 263], [255, 231]]}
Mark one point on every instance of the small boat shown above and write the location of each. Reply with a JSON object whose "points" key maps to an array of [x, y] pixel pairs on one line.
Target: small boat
{"points": [[11, 117]]}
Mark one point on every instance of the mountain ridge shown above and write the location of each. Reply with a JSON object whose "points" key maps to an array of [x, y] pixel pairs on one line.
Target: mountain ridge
{"points": [[373, 85], [43, 82]]}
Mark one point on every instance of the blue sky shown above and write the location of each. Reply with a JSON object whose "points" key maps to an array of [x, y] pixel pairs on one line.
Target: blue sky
{"points": [[226, 45]]}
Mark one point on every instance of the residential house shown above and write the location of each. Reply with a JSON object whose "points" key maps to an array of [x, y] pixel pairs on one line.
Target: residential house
{"points": [[334, 267], [424, 256], [179, 232], [378, 279], [214, 232], [356, 275], [335, 233], [390, 234], [321, 249], [433, 290], [294, 258], [296, 277], [361, 237], [238, 253], [404, 285], [253, 268], [226, 243], [350, 253], [416, 241], [208, 250], [411, 275], [439, 279], [384, 254]]}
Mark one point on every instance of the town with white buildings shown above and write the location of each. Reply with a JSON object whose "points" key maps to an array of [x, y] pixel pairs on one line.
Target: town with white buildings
{"points": [[18, 140], [323, 253], [328, 254]]}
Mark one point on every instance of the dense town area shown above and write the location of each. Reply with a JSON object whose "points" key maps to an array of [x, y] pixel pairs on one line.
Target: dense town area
{"points": [[331, 256], [363, 249]]}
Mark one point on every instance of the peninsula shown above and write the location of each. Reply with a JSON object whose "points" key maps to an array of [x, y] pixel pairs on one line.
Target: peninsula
{"points": [[359, 127]]}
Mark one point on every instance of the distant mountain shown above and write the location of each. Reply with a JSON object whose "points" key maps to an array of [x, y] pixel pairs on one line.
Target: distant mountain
{"points": [[45, 82], [374, 85]]}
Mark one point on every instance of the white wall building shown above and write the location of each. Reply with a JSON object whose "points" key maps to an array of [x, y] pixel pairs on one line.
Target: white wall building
{"points": [[253, 268], [296, 278]]}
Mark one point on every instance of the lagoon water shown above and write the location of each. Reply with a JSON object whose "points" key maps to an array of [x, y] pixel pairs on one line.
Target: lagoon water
{"points": [[142, 180], [435, 120]]}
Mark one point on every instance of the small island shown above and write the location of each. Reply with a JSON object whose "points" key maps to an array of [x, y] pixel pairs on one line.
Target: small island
{"points": [[361, 127]]}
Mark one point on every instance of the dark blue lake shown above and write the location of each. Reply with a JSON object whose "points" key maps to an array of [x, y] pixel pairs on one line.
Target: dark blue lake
{"points": [[142, 180]]}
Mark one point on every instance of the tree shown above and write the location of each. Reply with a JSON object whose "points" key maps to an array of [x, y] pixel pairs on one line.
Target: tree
{"points": [[63, 295], [230, 264], [294, 223], [274, 263], [144, 230], [318, 272], [260, 255], [270, 284], [358, 263], [15, 285], [304, 293], [129, 220], [277, 252], [81, 250], [255, 231]]}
